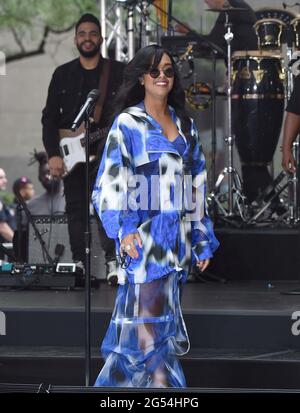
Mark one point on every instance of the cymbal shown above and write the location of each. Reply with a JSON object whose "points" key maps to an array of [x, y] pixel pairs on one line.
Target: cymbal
{"points": [[228, 9]]}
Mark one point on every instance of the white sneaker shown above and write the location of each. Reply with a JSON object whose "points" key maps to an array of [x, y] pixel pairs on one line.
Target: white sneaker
{"points": [[112, 272], [80, 267]]}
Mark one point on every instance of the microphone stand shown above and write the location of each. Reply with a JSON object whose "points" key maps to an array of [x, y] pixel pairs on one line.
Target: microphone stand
{"points": [[87, 239], [85, 114], [19, 231], [87, 242]]}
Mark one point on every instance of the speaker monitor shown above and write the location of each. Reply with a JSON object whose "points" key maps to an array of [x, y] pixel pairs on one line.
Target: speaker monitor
{"points": [[54, 230]]}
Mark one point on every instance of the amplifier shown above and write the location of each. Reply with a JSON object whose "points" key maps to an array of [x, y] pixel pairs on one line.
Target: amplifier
{"points": [[54, 230]]}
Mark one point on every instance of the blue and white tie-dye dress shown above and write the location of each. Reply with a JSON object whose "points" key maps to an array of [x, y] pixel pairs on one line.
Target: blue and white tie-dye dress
{"points": [[142, 187]]}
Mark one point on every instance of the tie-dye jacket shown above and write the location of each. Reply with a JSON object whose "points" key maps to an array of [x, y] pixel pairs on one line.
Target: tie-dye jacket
{"points": [[173, 236]]}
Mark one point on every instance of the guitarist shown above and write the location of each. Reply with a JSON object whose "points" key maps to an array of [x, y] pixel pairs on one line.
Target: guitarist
{"points": [[68, 89]]}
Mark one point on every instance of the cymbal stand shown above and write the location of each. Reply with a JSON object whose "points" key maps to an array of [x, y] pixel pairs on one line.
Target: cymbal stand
{"points": [[145, 26], [234, 182], [293, 200]]}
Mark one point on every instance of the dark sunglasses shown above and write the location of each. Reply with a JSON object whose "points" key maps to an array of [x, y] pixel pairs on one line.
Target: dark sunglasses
{"points": [[168, 72]]}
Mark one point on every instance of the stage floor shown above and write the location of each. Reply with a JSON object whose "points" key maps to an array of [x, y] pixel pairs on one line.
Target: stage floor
{"points": [[234, 297], [240, 332]]}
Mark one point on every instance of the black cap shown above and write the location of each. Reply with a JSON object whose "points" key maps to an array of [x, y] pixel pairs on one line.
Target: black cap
{"points": [[88, 18]]}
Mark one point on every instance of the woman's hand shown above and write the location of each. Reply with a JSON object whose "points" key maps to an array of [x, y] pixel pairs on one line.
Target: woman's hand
{"points": [[128, 244], [202, 265]]}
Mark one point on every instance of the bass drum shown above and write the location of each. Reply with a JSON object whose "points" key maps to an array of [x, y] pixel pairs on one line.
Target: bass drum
{"points": [[257, 105]]}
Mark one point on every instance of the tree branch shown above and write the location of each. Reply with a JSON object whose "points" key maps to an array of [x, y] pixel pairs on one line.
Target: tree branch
{"points": [[56, 31], [39, 50], [41, 47], [17, 39]]}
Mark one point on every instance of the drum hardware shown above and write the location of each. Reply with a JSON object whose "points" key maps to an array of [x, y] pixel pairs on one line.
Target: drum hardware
{"points": [[188, 53], [202, 48], [268, 196], [269, 75], [187, 57], [269, 33], [293, 197], [198, 96], [216, 197], [258, 106], [292, 69], [235, 197], [269, 201], [295, 23]]}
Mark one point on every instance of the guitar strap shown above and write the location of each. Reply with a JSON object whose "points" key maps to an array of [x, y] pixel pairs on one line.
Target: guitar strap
{"points": [[103, 84]]}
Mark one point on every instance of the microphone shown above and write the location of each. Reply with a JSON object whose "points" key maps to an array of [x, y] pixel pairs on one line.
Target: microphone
{"points": [[88, 105]]}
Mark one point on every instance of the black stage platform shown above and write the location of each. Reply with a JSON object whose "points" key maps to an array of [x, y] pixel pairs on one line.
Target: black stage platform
{"points": [[241, 335], [259, 253]]}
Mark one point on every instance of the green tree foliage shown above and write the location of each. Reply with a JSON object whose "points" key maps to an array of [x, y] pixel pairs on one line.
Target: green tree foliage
{"points": [[31, 21], [26, 24], [188, 11]]}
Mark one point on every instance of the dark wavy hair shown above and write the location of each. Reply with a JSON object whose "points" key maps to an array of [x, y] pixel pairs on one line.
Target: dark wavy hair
{"points": [[40, 157], [132, 92]]}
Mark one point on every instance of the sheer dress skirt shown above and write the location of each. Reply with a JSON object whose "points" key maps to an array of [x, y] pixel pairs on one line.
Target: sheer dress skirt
{"points": [[145, 335]]}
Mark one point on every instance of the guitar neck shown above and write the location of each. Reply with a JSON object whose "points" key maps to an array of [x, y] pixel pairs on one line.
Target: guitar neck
{"points": [[96, 136]]}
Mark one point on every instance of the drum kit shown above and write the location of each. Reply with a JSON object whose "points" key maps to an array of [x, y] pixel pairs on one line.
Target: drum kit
{"points": [[259, 83]]}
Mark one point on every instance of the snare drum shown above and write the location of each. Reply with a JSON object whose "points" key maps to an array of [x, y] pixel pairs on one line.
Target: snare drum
{"points": [[269, 33], [257, 104]]}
